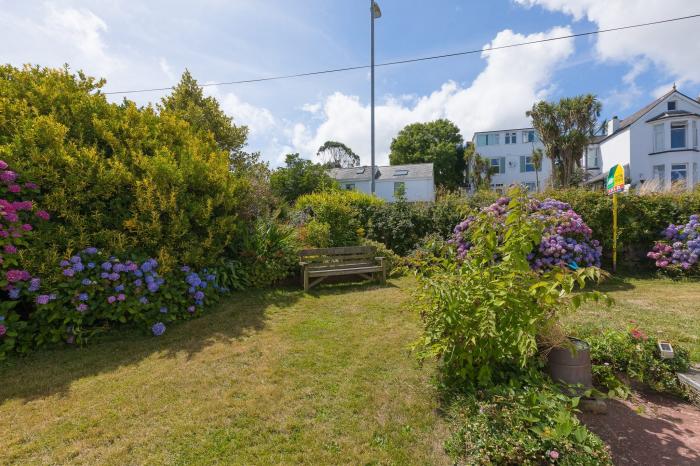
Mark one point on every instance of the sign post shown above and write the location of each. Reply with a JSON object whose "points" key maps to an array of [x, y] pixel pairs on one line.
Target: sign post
{"points": [[614, 185]]}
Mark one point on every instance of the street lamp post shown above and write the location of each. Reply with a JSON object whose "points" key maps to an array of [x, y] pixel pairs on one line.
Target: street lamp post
{"points": [[375, 13]]}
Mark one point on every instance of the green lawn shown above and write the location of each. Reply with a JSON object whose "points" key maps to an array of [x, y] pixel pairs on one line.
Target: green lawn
{"points": [[268, 378], [668, 309]]}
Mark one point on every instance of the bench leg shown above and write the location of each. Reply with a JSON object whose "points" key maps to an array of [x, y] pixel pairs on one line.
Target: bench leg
{"points": [[383, 274], [306, 280]]}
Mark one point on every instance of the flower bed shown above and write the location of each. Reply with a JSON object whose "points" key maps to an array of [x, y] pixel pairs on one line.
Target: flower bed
{"points": [[566, 241]]}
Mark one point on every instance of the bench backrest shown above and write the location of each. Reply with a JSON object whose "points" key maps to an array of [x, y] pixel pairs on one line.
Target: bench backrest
{"points": [[329, 258]]}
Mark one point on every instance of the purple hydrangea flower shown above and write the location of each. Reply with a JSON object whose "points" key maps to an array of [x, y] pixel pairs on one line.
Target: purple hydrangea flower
{"points": [[43, 299], [106, 266], [121, 297], [143, 300], [91, 250], [163, 310], [199, 295], [34, 284], [111, 299], [82, 307], [68, 272], [90, 265], [191, 309]]}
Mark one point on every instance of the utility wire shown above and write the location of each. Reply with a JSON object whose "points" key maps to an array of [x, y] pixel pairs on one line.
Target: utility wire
{"points": [[414, 60]]}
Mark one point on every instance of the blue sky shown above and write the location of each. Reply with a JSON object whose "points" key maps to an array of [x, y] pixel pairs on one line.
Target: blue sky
{"points": [[148, 44]]}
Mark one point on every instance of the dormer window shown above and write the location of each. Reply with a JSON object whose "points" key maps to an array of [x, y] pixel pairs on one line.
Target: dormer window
{"points": [[671, 105]]}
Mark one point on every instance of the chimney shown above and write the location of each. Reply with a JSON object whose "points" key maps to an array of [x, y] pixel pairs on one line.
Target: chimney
{"points": [[613, 125]]}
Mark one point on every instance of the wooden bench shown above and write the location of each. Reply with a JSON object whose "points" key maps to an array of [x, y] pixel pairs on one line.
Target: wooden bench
{"points": [[321, 263]]}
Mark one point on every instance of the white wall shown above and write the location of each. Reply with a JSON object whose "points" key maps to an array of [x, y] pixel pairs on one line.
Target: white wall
{"points": [[512, 153], [416, 189]]}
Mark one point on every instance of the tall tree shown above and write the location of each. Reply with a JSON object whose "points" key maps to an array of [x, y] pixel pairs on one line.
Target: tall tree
{"points": [[204, 115], [566, 128], [337, 155], [299, 176], [478, 169], [437, 142]]}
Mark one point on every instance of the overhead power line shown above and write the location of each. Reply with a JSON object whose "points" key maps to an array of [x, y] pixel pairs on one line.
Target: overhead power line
{"points": [[418, 59]]}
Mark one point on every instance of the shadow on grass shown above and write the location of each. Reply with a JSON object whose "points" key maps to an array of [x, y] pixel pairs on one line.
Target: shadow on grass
{"points": [[652, 438], [51, 371]]}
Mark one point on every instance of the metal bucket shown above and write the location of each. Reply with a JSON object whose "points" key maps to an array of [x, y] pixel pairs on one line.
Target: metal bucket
{"points": [[571, 364]]}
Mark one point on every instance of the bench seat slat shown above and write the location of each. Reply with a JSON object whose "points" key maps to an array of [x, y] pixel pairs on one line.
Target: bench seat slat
{"points": [[349, 271]]}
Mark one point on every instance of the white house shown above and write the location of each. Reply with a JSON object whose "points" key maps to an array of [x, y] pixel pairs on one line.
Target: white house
{"points": [[510, 154], [660, 141], [415, 180]]}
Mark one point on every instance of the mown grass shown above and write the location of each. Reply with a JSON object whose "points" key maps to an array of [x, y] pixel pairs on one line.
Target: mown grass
{"points": [[268, 378], [272, 377], [668, 309]]}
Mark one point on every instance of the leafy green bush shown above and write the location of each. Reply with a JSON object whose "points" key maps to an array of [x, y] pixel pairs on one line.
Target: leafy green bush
{"points": [[636, 356], [482, 316], [117, 176], [528, 422], [400, 225], [270, 252], [344, 212]]}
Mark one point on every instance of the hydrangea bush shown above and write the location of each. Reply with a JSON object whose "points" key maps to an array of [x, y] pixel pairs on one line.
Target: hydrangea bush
{"points": [[98, 291], [566, 240], [18, 214], [679, 250]]}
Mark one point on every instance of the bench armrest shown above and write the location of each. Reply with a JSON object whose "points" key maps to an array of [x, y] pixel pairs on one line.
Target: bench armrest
{"points": [[303, 264]]}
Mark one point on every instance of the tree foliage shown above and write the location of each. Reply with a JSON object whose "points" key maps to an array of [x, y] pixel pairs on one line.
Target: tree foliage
{"points": [[566, 128], [478, 169], [298, 177], [337, 155], [187, 102], [438, 142]]}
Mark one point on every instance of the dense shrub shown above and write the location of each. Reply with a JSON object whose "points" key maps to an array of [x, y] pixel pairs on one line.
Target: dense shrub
{"points": [[394, 263], [641, 218], [270, 252], [483, 315], [400, 225], [680, 247], [636, 356], [343, 214], [527, 422], [566, 239], [117, 176]]}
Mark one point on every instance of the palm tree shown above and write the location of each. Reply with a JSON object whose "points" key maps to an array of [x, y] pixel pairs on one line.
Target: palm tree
{"points": [[536, 158], [478, 169], [566, 128]]}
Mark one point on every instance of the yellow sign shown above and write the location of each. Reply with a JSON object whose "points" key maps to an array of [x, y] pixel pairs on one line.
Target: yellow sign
{"points": [[616, 179]]}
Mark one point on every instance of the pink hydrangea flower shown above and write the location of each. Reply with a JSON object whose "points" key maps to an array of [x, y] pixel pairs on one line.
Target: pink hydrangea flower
{"points": [[3, 329], [14, 188], [121, 297], [44, 215], [3, 165], [111, 299], [27, 227], [10, 249]]}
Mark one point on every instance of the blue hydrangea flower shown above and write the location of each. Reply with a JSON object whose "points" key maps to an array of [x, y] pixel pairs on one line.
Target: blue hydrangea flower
{"points": [[14, 293], [199, 295], [143, 300], [119, 288], [90, 265], [90, 250], [75, 259], [153, 287], [138, 273], [163, 310], [78, 267], [114, 276], [138, 282], [83, 297], [158, 329], [64, 263], [106, 266], [86, 282]]}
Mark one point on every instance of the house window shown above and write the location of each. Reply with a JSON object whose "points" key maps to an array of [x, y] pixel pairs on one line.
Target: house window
{"points": [[511, 138], [592, 157], [671, 105], [349, 186], [487, 139], [659, 173], [526, 164], [498, 165], [658, 137], [399, 188], [678, 131], [529, 136], [530, 186], [679, 173], [498, 187]]}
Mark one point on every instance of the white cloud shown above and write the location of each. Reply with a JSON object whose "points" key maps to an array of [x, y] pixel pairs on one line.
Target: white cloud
{"points": [[671, 47], [498, 98], [259, 120], [167, 70], [59, 35]]}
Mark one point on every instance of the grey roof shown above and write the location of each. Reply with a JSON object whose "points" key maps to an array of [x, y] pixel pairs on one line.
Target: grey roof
{"points": [[671, 114], [627, 122], [390, 172]]}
